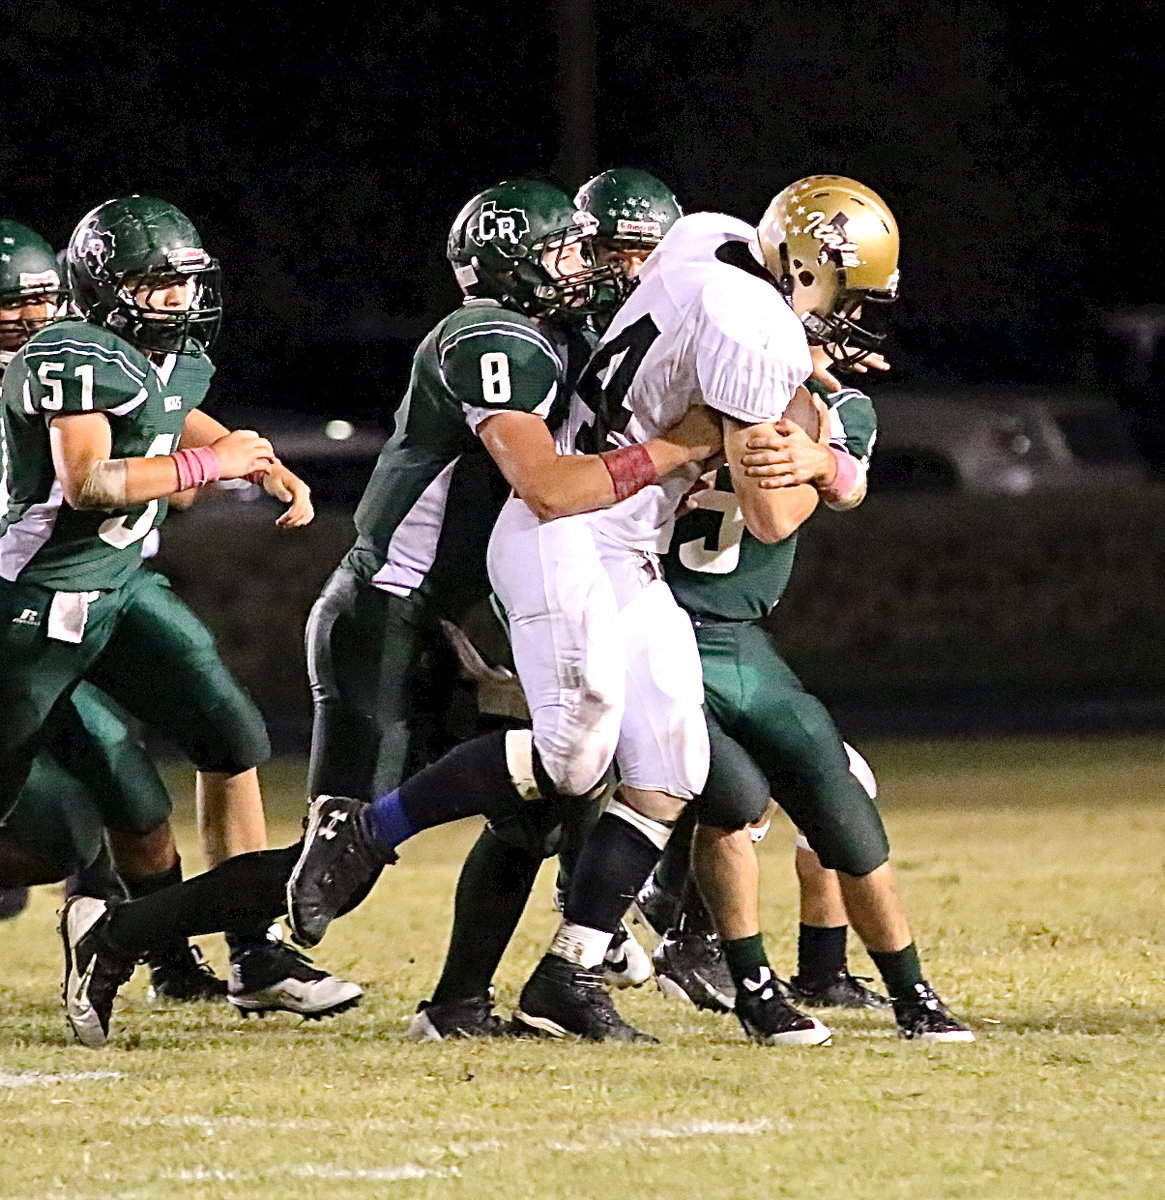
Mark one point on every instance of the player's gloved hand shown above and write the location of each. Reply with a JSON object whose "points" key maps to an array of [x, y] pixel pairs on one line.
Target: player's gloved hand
{"points": [[789, 456], [243, 452], [287, 486]]}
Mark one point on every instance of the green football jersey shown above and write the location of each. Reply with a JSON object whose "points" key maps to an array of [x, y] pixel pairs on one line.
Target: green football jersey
{"points": [[716, 567], [74, 367], [424, 520]]}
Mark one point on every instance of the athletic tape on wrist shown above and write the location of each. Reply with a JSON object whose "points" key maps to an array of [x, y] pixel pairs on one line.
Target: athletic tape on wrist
{"points": [[630, 468], [849, 484], [197, 466]]}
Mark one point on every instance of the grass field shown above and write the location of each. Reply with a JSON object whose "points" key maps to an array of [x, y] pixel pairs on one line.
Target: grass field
{"points": [[1033, 873]]}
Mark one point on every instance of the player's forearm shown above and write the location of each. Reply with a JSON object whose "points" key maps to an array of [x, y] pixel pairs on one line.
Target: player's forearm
{"points": [[771, 515], [566, 485], [201, 429], [114, 483], [576, 483]]}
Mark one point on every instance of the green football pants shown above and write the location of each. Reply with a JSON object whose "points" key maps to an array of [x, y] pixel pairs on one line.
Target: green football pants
{"points": [[377, 697], [755, 699], [143, 647], [92, 775]]}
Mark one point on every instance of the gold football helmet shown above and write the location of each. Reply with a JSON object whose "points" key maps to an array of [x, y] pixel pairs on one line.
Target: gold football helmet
{"points": [[832, 246]]}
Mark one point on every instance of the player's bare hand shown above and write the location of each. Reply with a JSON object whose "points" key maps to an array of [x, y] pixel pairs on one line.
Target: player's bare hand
{"points": [[872, 362], [285, 485], [824, 365], [243, 452], [705, 483], [823, 369], [700, 429], [788, 457]]}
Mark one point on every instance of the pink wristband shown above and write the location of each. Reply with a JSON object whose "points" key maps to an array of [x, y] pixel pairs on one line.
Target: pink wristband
{"points": [[631, 470], [844, 480], [196, 467]]}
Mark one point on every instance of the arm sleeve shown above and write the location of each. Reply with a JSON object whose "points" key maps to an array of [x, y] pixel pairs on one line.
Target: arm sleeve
{"points": [[751, 354], [853, 429], [75, 376], [853, 424], [489, 372]]}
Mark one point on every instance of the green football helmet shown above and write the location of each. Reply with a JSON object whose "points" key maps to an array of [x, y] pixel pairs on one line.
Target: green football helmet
{"points": [[511, 243], [123, 253], [29, 274], [632, 207]]}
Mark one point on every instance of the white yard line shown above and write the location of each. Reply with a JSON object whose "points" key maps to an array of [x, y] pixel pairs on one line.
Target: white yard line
{"points": [[693, 1129], [391, 1174], [47, 1078]]}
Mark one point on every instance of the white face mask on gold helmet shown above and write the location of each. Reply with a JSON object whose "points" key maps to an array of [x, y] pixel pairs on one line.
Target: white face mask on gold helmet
{"points": [[832, 246]]}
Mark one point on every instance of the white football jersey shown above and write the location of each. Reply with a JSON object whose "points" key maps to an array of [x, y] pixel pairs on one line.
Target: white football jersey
{"points": [[696, 330]]}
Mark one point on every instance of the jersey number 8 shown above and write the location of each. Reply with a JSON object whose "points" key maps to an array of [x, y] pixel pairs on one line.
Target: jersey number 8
{"points": [[495, 378]]}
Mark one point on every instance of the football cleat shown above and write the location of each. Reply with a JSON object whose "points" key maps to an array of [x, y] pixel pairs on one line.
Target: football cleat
{"points": [[768, 1018], [691, 966], [561, 998], [179, 972], [626, 963], [657, 909], [338, 863], [93, 973], [99, 879], [13, 901], [276, 978], [923, 1017], [470, 1018], [842, 990]]}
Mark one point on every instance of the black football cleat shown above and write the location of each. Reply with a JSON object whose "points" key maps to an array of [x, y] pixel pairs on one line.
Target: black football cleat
{"points": [[336, 867], [923, 1017], [657, 909], [691, 966], [179, 972], [768, 1018], [275, 977], [561, 998], [473, 1017], [93, 973], [841, 990]]}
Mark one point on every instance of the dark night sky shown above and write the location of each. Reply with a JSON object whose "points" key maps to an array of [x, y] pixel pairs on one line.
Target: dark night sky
{"points": [[323, 155]]}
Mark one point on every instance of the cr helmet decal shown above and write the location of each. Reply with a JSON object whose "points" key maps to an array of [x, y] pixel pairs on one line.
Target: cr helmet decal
{"points": [[501, 225]]}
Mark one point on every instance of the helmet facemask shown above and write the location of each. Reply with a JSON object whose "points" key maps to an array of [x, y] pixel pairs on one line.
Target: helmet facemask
{"points": [[559, 289], [850, 323], [151, 326]]}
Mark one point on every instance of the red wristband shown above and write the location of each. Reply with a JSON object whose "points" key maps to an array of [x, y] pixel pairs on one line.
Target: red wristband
{"points": [[197, 466], [844, 480], [631, 470]]}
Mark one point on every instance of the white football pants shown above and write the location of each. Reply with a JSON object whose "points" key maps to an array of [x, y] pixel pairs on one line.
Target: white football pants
{"points": [[607, 659]]}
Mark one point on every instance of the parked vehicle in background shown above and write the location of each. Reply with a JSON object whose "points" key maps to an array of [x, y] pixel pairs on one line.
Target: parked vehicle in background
{"points": [[1001, 440]]}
